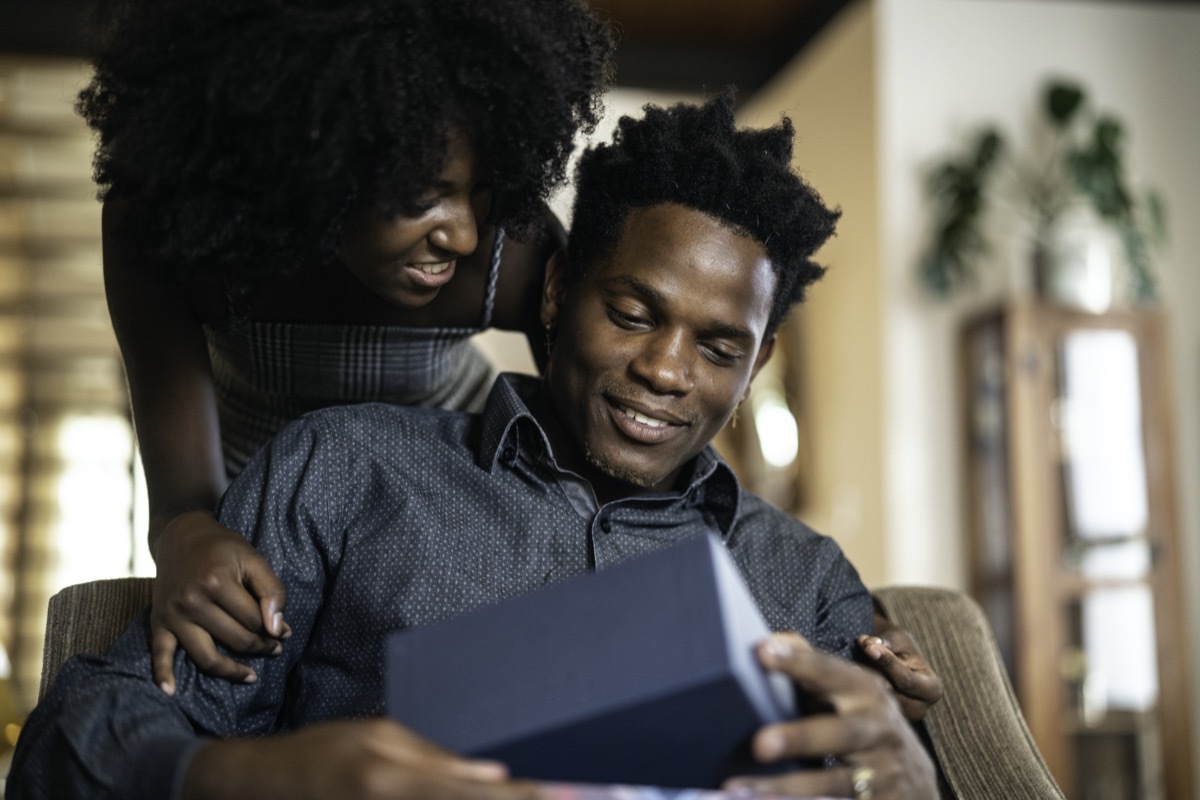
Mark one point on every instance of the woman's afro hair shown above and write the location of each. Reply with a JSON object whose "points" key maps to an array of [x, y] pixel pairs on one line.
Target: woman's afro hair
{"points": [[245, 134], [694, 156]]}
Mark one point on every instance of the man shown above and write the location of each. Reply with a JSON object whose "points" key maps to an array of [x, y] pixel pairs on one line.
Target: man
{"points": [[691, 242]]}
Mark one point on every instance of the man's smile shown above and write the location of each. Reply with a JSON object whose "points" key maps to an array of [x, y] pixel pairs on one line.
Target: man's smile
{"points": [[644, 422], [642, 418]]}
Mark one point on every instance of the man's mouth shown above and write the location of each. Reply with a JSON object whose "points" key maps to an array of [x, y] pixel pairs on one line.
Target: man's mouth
{"points": [[642, 418], [644, 423]]}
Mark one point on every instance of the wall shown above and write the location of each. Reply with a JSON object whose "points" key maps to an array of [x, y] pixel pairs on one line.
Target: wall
{"points": [[829, 94], [939, 67], [942, 64]]}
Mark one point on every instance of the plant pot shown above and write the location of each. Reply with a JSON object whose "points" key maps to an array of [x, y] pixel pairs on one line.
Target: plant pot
{"points": [[1079, 262]]}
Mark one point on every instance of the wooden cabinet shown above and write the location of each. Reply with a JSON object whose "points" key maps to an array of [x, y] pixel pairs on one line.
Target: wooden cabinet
{"points": [[1074, 540]]}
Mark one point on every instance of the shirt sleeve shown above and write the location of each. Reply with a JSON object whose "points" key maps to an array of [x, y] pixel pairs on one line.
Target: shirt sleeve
{"points": [[844, 607], [105, 730]]}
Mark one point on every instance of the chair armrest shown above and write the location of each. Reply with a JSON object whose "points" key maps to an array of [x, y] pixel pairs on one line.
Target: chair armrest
{"points": [[87, 617], [978, 733]]}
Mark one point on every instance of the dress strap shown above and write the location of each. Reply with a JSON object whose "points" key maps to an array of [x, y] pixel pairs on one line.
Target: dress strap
{"points": [[489, 297]]}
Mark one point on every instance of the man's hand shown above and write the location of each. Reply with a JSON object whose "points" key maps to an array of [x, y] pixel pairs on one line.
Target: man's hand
{"points": [[895, 654], [212, 585], [369, 759], [857, 720]]}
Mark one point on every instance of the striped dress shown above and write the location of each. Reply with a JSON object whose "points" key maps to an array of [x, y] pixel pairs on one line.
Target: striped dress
{"points": [[267, 374]]}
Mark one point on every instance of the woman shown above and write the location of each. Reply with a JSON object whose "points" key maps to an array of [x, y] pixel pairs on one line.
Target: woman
{"points": [[307, 203]]}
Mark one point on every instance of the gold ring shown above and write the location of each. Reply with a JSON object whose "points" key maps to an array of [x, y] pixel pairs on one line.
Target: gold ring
{"points": [[862, 780]]}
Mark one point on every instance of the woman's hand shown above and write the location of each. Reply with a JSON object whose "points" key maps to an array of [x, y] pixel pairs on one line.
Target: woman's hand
{"points": [[855, 718], [212, 587], [894, 652]]}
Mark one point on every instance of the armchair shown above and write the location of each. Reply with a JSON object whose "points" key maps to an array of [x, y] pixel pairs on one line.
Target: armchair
{"points": [[976, 733]]}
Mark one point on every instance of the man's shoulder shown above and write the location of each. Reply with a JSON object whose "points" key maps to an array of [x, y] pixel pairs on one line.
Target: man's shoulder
{"points": [[371, 425], [375, 413], [755, 511], [763, 527]]}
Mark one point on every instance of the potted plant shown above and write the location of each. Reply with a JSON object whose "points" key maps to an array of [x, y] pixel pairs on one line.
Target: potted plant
{"points": [[1082, 166]]}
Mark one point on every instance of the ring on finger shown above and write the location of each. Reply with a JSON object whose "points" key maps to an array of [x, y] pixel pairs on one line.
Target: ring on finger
{"points": [[862, 781]]}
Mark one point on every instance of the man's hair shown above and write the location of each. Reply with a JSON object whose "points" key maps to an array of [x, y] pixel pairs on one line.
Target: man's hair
{"points": [[248, 133], [694, 156]]}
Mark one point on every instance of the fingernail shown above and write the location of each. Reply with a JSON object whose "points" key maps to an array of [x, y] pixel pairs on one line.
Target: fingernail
{"points": [[771, 744], [489, 770], [278, 649], [167, 689], [251, 678], [739, 787], [276, 623], [779, 649]]}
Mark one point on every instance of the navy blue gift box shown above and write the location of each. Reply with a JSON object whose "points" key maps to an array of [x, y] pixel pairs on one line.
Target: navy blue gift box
{"points": [[642, 673]]}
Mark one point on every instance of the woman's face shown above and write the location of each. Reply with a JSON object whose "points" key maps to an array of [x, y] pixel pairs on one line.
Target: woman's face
{"points": [[407, 260]]}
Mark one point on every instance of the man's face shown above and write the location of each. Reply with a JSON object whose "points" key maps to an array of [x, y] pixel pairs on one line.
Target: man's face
{"points": [[656, 345]]}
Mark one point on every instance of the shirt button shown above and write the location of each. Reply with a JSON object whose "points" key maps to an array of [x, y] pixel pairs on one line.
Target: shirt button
{"points": [[606, 525]]}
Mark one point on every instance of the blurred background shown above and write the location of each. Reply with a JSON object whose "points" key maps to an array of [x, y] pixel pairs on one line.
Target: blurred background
{"points": [[1034, 441]]}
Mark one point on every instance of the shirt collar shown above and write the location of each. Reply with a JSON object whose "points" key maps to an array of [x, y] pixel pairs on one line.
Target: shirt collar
{"points": [[508, 428]]}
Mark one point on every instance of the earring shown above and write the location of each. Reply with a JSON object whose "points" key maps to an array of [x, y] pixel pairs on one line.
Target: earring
{"points": [[737, 411], [549, 339]]}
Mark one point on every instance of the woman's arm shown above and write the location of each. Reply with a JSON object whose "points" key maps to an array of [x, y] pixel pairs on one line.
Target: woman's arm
{"points": [[210, 583], [170, 379]]}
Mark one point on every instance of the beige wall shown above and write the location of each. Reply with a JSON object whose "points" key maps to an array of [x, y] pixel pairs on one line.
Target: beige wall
{"points": [[891, 85], [829, 94], [945, 64]]}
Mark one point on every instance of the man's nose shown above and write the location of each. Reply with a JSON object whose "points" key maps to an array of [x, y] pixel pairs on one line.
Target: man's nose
{"points": [[664, 362]]}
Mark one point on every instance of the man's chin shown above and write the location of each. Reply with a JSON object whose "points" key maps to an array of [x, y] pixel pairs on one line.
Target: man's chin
{"points": [[620, 472]]}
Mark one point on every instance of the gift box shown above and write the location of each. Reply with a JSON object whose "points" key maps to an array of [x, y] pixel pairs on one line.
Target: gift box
{"points": [[641, 673]]}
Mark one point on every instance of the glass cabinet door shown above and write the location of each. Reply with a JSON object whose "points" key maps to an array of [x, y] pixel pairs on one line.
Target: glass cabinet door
{"points": [[1069, 471], [1110, 655]]}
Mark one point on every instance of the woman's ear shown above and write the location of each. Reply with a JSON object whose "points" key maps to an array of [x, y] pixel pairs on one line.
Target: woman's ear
{"points": [[554, 288]]}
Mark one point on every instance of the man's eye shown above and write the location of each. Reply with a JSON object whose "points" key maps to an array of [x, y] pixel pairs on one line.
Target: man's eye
{"points": [[721, 356], [627, 320]]}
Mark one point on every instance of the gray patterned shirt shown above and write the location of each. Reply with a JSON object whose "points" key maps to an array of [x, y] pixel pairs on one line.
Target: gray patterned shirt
{"points": [[376, 518]]}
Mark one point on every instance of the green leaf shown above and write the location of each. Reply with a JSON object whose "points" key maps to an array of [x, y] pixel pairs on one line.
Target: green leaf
{"points": [[1156, 216], [988, 148], [1063, 100], [1145, 288], [1108, 135]]}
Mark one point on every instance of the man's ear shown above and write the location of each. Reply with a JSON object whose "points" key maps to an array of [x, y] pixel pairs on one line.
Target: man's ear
{"points": [[765, 351], [554, 288]]}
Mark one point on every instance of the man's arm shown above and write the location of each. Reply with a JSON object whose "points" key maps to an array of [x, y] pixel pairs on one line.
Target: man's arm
{"points": [[845, 608], [375, 759], [106, 729], [844, 626]]}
